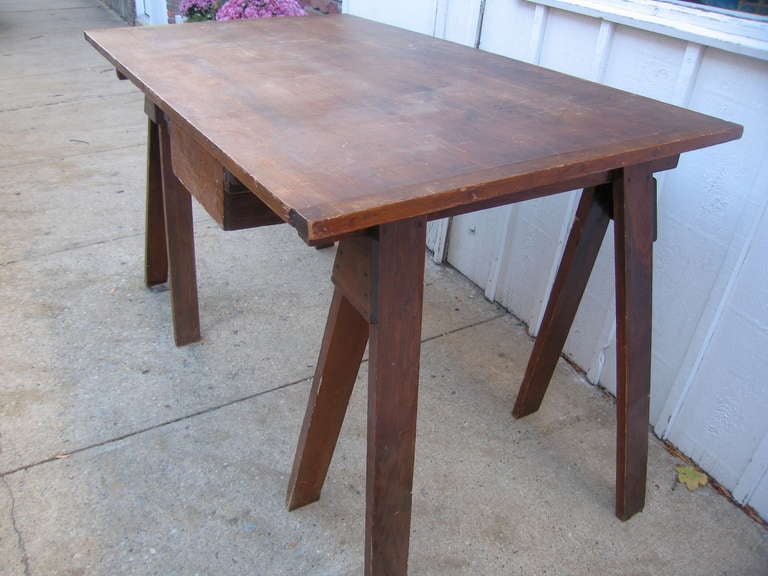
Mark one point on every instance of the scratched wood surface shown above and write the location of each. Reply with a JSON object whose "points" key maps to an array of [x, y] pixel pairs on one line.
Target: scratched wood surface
{"points": [[339, 123]]}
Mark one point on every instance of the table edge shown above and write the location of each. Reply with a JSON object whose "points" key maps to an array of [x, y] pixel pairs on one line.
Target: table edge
{"points": [[321, 223]]}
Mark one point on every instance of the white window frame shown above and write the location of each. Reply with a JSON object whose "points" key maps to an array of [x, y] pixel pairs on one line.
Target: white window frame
{"points": [[745, 34]]}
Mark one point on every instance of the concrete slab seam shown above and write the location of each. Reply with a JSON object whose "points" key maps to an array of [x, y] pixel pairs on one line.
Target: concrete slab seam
{"points": [[70, 101], [76, 154], [60, 71], [14, 525], [49, 10], [208, 410], [157, 426], [460, 328], [201, 220]]}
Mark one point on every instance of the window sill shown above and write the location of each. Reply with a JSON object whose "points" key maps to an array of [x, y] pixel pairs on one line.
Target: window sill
{"points": [[747, 35]]}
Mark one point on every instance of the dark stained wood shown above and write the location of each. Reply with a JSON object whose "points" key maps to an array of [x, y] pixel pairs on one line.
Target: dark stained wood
{"points": [[362, 124], [232, 205], [393, 382], [634, 222], [654, 207], [584, 241], [346, 334], [200, 173], [632, 203], [180, 241], [151, 110], [227, 201], [388, 271], [155, 249], [242, 209], [584, 182], [345, 127], [353, 274]]}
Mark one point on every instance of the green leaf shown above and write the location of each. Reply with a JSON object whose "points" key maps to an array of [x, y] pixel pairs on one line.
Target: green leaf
{"points": [[691, 477]]}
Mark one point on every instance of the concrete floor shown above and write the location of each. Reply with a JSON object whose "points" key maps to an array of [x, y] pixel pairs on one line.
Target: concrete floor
{"points": [[121, 454]]}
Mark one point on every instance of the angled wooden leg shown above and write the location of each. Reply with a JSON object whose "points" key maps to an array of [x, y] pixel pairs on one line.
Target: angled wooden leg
{"points": [[635, 216], [393, 380], [180, 242], [156, 252], [346, 334], [379, 289], [587, 233]]}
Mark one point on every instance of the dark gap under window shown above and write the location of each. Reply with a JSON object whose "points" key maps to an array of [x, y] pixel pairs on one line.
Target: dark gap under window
{"points": [[759, 7]]}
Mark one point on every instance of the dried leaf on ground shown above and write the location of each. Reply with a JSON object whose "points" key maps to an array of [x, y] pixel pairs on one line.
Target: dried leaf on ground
{"points": [[691, 477]]}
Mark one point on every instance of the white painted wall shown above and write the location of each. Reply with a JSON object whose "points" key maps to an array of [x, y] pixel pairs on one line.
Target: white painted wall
{"points": [[710, 339], [151, 11]]}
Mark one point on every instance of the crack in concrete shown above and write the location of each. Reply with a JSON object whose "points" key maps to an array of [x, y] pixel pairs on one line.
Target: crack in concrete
{"points": [[72, 100], [61, 9], [70, 249], [163, 424], [15, 526], [478, 323], [198, 222], [58, 72], [214, 408], [94, 152]]}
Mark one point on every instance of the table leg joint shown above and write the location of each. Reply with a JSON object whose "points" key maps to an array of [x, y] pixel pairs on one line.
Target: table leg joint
{"points": [[354, 274]]}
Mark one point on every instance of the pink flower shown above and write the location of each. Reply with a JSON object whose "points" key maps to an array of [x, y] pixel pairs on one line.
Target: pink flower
{"points": [[196, 5], [237, 9], [196, 10]]}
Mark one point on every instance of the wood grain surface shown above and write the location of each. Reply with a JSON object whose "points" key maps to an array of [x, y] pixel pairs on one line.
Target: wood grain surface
{"points": [[340, 124], [634, 225], [155, 248], [180, 245], [346, 335], [586, 237]]}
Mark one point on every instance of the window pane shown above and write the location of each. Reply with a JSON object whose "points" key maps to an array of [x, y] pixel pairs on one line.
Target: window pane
{"points": [[750, 6]]}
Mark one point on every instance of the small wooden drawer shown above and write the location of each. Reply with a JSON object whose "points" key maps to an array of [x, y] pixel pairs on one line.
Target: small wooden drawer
{"points": [[228, 202]]}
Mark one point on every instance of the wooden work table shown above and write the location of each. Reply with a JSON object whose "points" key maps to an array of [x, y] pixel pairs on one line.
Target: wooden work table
{"points": [[355, 131]]}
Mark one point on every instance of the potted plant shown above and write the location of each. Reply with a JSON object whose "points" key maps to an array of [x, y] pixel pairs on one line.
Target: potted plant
{"points": [[198, 10]]}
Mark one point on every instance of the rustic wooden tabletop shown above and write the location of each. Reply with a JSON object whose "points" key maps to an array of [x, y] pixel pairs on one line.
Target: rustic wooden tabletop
{"points": [[339, 123]]}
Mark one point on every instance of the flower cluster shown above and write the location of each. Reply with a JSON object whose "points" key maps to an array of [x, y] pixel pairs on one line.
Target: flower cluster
{"points": [[196, 10], [237, 9]]}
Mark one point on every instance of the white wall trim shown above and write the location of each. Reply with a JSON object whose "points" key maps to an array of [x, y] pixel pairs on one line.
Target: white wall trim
{"points": [[604, 342], [437, 239], [538, 28], [158, 12], [602, 50], [492, 283], [719, 296], [441, 15], [689, 71], [479, 27], [747, 35], [599, 65], [756, 472], [535, 44]]}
